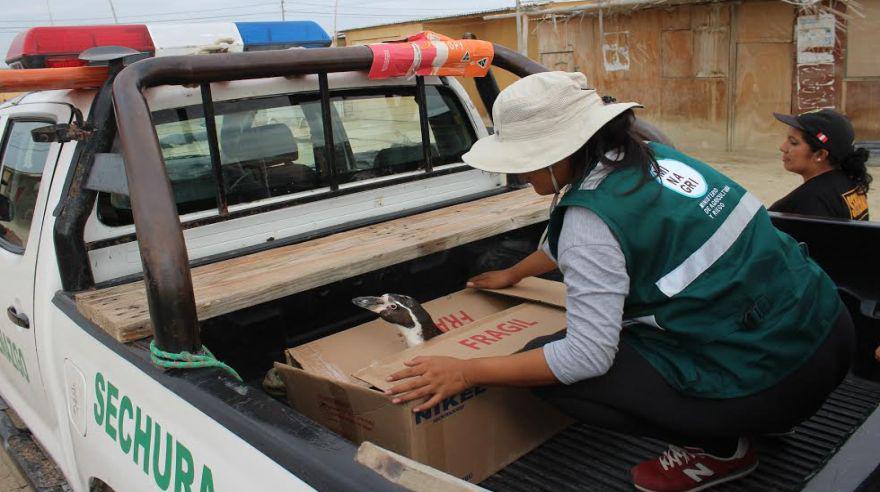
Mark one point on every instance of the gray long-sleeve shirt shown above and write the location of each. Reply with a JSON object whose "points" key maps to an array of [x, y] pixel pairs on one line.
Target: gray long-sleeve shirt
{"points": [[594, 268]]}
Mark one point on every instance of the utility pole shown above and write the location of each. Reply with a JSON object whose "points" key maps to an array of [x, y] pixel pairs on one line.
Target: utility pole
{"points": [[335, 12], [113, 10], [519, 27], [282, 10], [49, 9]]}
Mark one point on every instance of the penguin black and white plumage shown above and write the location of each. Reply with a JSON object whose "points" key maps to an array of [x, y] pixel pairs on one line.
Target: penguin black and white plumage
{"points": [[405, 313]]}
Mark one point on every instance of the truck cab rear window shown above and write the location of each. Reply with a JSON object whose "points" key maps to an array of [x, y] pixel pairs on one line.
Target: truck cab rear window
{"points": [[274, 146]]}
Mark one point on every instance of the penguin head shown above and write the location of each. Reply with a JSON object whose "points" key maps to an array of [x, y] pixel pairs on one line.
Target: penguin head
{"points": [[397, 309]]}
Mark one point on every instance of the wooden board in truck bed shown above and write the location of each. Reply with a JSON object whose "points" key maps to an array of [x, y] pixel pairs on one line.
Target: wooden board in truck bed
{"points": [[237, 283]]}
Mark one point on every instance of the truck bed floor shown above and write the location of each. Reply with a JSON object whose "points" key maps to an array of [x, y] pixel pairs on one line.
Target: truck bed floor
{"points": [[586, 458]]}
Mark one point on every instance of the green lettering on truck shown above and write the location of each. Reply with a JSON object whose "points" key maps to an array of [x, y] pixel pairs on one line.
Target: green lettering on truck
{"points": [[184, 472], [162, 478], [124, 408], [112, 393], [207, 480], [14, 356], [146, 441], [142, 439], [99, 398]]}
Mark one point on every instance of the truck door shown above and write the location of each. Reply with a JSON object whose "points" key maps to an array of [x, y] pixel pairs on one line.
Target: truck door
{"points": [[26, 169]]}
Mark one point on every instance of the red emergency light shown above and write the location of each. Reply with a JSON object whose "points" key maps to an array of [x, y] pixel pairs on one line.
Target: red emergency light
{"points": [[60, 46]]}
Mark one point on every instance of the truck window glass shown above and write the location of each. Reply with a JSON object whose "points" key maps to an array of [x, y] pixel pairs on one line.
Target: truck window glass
{"points": [[385, 138], [266, 150], [273, 146], [21, 168]]}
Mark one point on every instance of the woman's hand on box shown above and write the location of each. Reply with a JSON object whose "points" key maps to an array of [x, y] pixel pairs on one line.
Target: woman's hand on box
{"points": [[432, 378], [496, 279]]}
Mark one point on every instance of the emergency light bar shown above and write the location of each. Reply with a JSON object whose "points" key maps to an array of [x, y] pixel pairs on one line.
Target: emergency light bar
{"points": [[259, 36], [57, 46], [60, 46]]}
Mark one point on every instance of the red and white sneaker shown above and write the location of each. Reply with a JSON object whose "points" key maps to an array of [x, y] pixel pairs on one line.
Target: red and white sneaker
{"points": [[692, 469]]}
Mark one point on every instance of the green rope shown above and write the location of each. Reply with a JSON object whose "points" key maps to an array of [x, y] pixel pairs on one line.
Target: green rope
{"points": [[186, 360]]}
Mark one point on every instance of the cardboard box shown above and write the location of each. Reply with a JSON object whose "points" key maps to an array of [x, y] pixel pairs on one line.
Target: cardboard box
{"points": [[472, 435]]}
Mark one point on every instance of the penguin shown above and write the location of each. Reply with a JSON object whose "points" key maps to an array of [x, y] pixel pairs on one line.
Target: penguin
{"points": [[405, 313]]}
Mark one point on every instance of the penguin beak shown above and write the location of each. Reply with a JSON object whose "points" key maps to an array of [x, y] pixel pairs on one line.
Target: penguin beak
{"points": [[374, 304]]}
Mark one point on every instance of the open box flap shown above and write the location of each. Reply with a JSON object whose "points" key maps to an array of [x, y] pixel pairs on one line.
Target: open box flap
{"points": [[536, 289], [503, 333], [339, 355]]}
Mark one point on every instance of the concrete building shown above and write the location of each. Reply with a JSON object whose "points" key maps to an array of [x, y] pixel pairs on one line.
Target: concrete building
{"points": [[710, 74]]}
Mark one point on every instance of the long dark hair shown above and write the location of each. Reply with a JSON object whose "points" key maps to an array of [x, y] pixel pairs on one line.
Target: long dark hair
{"points": [[617, 135], [854, 164]]}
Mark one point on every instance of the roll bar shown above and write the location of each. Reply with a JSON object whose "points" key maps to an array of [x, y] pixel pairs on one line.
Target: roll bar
{"points": [[160, 238]]}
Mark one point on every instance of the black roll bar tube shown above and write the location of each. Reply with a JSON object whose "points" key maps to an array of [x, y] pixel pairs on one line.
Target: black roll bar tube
{"points": [[77, 203], [164, 257], [487, 87], [329, 144], [214, 148], [422, 101]]}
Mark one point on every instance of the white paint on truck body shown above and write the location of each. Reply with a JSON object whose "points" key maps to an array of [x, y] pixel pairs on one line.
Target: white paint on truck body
{"points": [[86, 425]]}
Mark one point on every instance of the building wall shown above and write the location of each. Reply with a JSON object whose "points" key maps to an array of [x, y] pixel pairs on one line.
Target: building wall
{"points": [[861, 87], [762, 73], [675, 61], [377, 34], [710, 75]]}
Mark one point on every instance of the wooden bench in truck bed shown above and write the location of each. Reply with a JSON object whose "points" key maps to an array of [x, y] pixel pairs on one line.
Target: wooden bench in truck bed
{"points": [[237, 283]]}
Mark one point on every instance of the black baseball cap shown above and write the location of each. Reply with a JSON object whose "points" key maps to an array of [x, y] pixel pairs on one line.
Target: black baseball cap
{"points": [[831, 130]]}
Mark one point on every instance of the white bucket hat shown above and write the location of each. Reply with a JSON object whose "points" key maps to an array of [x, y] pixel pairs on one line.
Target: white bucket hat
{"points": [[540, 120]]}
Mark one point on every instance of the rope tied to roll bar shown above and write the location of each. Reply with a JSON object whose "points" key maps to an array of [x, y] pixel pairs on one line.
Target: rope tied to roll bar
{"points": [[187, 360]]}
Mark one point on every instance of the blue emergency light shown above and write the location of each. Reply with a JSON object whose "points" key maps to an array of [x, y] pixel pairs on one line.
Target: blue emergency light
{"points": [[258, 36], [60, 46]]}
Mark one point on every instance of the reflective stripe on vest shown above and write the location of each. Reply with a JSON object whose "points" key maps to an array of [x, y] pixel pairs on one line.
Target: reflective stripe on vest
{"points": [[706, 255]]}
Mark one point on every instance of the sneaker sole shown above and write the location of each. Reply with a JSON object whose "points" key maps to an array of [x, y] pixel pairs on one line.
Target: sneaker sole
{"points": [[713, 483]]}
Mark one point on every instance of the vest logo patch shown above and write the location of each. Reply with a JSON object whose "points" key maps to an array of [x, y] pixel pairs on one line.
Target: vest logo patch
{"points": [[680, 178], [857, 204]]}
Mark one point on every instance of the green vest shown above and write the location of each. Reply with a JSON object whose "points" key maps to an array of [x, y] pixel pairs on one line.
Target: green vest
{"points": [[726, 304]]}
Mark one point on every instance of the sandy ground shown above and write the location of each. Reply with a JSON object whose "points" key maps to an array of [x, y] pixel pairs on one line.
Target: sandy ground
{"points": [[11, 479], [762, 174]]}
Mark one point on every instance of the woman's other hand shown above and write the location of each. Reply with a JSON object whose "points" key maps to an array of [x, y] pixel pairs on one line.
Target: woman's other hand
{"points": [[432, 378], [533, 265], [497, 279]]}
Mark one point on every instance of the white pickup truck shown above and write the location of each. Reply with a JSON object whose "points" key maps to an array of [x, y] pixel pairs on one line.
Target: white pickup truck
{"points": [[193, 200]]}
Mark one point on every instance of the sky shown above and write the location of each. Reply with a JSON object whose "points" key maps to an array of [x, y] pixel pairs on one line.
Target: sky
{"points": [[18, 15]]}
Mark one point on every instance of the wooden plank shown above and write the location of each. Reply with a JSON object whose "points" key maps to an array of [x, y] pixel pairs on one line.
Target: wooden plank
{"points": [[763, 85], [711, 40], [410, 474], [675, 18], [864, 37], [765, 22], [677, 51], [238, 283], [711, 15], [863, 108], [694, 112]]}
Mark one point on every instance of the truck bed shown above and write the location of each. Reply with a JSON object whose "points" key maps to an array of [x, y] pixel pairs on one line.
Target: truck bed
{"points": [[238, 283], [587, 458]]}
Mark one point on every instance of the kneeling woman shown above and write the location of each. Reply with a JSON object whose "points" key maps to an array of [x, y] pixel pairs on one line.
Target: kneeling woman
{"points": [[690, 318]]}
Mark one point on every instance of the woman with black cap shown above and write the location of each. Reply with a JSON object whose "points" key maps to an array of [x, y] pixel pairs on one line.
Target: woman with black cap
{"points": [[819, 147], [689, 317]]}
